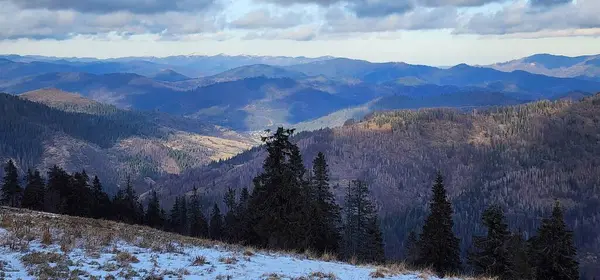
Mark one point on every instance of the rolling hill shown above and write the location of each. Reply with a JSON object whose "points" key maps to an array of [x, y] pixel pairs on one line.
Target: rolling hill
{"points": [[78, 133], [521, 157]]}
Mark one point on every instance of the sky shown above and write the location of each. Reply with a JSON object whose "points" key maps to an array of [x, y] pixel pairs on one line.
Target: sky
{"points": [[432, 32]]}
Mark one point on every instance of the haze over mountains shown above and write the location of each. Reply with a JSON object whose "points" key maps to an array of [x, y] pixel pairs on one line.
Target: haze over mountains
{"points": [[249, 93]]}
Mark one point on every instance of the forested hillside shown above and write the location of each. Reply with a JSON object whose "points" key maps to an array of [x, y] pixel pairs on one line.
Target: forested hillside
{"points": [[520, 157], [77, 133]]}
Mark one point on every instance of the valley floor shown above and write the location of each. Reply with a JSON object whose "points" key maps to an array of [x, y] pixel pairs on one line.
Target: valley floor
{"points": [[38, 245]]}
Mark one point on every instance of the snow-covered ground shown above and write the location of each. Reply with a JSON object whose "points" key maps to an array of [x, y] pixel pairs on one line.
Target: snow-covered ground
{"points": [[69, 254]]}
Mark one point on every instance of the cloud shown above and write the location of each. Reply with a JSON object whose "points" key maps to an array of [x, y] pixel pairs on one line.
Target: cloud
{"points": [[519, 17], [302, 33], [378, 8], [64, 24], [458, 3], [549, 3], [264, 19], [108, 6], [418, 19]]}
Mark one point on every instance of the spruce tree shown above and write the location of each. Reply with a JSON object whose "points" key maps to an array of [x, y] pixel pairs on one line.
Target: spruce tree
{"points": [[411, 248], [361, 233], [174, 222], [79, 195], [554, 255], [231, 220], [279, 216], [100, 201], [11, 190], [492, 254], [215, 227], [184, 220], [326, 221], [57, 189], [438, 246], [153, 217], [33, 195], [197, 221]]}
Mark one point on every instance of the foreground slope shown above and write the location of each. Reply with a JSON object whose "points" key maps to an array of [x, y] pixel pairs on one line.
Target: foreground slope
{"points": [[41, 245], [520, 157]]}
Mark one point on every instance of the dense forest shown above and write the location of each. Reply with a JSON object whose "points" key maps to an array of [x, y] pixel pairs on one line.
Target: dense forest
{"points": [[521, 158], [293, 209]]}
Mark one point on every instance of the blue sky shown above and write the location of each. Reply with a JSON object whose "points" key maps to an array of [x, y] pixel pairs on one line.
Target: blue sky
{"points": [[434, 32]]}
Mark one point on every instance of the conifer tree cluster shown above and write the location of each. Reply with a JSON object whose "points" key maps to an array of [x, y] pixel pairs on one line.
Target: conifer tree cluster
{"points": [[500, 253]]}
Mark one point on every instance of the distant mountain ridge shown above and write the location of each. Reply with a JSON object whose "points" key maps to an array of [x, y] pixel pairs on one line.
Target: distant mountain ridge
{"points": [[585, 67]]}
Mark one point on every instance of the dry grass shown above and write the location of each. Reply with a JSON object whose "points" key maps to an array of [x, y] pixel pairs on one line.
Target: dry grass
{"points": [[126, 258], [321, 275], [199, 261], [228, 260]]}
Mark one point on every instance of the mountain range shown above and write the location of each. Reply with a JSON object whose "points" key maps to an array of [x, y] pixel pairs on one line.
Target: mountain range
{"points": [[258, 96]]}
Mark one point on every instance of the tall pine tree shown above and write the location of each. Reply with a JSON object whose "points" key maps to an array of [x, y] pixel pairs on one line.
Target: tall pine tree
{"points": [[361, 233], [553, 254], [278, 203], [215, 227], [11, 190], [438, 246], [492, 255], [326, 221], [33, 195], [100, 201], [197, 221], [153, 216]]}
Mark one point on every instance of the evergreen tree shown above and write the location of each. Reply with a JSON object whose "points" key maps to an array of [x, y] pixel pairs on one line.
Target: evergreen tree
{"points": [[411, 249], [127, 205], [174, 222], [11, 191], [375, 241], [100, 201], [279, 216], [184, 220], [79, 195], [361, 234], [58, 186], [326, 221], [438, 246], [519, 251], [554, 255], [231, 221], [153, 217], [198, 223], [492, 254], [33, 195], [216, 224]]}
